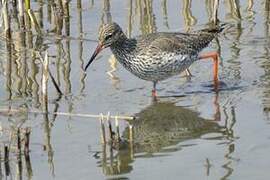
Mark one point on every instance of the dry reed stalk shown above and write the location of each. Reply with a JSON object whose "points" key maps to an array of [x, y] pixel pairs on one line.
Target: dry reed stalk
{"points": [[103, 133], [131, 143], [130, 133], [27, 4], [45, 76], [21, 13], [22, 110], [27, 25], [51, 76], [6, 19], [92, 115], [34, 21]]}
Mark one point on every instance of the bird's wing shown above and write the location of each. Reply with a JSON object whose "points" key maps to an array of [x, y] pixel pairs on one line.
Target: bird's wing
{"points": [[179, 43]]}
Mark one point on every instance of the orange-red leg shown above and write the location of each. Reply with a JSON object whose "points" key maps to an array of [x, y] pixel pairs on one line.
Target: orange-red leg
{"points": [[154, 91], [214, 56]]}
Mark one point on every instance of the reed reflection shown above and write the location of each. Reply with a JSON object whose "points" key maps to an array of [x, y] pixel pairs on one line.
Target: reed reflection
{"points": [[66, 69], [47, 133], [265, 78], [14, 152], [230, 121], [40, 13], [115, 162], [106, 14], [146, 16], [209, 9], [165, 13], [8, 70], [250, 11], [234, 9], [80, 45], [130, 15], [189, 19], [234, 65], [92, 2]]}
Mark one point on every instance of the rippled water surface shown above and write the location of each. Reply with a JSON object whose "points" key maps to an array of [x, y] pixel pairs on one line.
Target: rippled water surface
{"points": [[191, 132]]}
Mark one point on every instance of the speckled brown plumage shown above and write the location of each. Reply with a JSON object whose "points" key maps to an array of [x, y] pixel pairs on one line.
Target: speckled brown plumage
{"points": [[157, 56]]}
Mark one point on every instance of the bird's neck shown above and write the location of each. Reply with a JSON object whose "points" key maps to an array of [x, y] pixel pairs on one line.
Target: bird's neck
{"points": [[124, 49]]}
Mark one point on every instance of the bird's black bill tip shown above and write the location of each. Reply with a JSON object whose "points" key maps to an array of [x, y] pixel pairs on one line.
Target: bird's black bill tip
{"points": [[97, 51]]}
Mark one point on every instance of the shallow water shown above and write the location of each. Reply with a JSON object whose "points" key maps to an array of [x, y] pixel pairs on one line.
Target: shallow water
{"points": [[192, 132]]}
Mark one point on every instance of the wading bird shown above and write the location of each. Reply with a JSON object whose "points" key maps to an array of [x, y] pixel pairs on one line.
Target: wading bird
{"points": [[157, 56]]}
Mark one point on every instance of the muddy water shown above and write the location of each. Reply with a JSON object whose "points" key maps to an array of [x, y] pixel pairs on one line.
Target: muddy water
{"points": [[192, 132]]}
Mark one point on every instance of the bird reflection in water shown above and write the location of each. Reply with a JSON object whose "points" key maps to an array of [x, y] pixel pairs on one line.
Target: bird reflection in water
{"points": [[159, 127]]}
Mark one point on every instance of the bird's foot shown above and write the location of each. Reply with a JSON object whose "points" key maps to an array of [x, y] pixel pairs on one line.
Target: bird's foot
{"points": [[154, 93]]}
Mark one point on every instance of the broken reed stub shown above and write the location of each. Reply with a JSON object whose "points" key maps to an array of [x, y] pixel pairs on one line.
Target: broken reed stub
{"points": [[130, 132]]}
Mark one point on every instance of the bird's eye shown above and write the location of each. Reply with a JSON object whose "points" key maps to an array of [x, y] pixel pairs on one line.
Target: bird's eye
{"points": [[108, 37]]}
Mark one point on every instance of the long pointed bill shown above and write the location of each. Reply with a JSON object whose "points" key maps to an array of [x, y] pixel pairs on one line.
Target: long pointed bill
{"points": [[98, 49]]}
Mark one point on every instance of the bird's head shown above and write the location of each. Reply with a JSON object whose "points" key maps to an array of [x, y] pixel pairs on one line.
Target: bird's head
{"points": [[108, 35]]}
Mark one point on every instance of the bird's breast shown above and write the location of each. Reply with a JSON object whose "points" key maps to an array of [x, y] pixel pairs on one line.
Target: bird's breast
{"points": [[155, 67]]}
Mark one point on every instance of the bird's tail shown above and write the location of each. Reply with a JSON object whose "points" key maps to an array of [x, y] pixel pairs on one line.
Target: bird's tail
{"points": [[216, 29]]}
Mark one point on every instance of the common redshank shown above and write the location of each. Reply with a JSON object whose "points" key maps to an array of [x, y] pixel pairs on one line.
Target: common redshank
{"points": [[157, 56]]}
